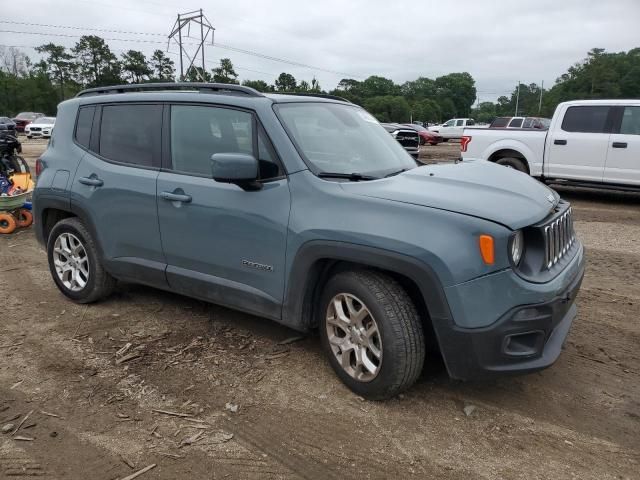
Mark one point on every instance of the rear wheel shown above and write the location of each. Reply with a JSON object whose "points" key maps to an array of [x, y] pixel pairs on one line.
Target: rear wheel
{"points": [[511, 162], [75, 264], [372, 333]]}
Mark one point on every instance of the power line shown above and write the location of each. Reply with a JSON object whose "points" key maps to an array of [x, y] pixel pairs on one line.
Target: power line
{"points": [[219, 45]]}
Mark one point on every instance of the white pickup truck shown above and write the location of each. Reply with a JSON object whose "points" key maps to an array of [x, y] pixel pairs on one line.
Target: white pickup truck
{"points": [[453, 128], [588, 143]]}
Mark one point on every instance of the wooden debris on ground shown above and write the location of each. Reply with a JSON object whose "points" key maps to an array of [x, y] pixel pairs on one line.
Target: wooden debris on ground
{"points": [[139, 472]]}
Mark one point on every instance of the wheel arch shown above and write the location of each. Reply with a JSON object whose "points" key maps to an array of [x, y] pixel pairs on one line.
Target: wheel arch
{"points": [[510, 153], [316, 262]]}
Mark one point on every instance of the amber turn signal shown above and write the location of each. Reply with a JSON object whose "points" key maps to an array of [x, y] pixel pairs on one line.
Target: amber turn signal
{"points": [[487, 249]]}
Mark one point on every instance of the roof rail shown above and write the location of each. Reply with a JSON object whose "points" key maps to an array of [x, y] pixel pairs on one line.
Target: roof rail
{"points": [[151, 87], [319, 95]]}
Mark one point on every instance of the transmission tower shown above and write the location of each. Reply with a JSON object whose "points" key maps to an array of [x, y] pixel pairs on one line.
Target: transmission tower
{"points": [[205, 29]]}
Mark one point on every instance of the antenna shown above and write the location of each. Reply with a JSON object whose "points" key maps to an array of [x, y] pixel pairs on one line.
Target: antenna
{"points": [[183, 22]]}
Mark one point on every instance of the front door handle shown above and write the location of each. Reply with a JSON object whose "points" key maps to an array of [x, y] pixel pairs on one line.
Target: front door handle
{"points": [[619, 144], [176, 197], [559, 142], [91, 181]]}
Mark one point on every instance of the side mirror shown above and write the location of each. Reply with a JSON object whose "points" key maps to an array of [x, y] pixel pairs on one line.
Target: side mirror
{"points": [[237, 168]]}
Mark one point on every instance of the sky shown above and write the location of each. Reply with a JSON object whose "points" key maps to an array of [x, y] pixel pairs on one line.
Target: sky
{"points": [[498, 42]]}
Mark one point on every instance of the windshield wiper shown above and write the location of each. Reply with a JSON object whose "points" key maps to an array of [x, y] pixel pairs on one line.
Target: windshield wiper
{"points": [[353, 177], [397, 172]]}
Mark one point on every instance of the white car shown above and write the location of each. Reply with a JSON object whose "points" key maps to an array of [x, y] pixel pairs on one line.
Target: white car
{"points": [[452, 128], [40, 128], [592, 143]]}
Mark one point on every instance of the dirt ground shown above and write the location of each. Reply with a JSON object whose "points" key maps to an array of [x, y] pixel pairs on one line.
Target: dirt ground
{"points": [[92, 418]]}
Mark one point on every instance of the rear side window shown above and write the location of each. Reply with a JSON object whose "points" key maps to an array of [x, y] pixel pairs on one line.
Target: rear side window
{"points": [[586, 119], [516, 123], [500, 122], [130, 133], [630, 121], [83, 125]]}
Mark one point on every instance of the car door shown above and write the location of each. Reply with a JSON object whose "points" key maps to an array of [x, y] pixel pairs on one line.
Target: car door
{"points": [[623, 158], [114, 187], [577, 149], [222, 243], [456, 131]]}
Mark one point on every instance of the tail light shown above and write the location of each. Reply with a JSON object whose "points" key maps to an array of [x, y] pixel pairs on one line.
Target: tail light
{"points": [[464, 143], [39, 167]]}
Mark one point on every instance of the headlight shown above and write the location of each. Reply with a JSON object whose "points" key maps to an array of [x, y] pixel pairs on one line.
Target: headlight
{"points": [[516, 247]]}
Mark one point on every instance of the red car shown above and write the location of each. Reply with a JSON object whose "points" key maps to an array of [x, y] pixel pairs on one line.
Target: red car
{"points": [[426, 136], [25, 118]]}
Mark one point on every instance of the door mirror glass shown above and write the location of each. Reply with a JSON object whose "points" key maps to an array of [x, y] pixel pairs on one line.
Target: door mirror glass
{"points": [[238, 168]]}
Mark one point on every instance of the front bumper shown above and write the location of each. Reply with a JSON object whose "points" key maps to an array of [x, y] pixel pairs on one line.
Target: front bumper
{"points": [[526, 338]]}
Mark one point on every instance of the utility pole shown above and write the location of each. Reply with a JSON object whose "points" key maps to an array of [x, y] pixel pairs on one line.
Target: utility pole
{"points": [[517, 99], [540, 103], [184, 21]]}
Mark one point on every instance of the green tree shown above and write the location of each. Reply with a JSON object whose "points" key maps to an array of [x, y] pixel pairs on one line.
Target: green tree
{"points": [[460, 89], [134, 63], [485, 112], [58, 65], [197, 74], [376, 86], [286, 83], [389, 108], [225, 72], [162, 67], [426, 110], [96, 64], [259, 85]]}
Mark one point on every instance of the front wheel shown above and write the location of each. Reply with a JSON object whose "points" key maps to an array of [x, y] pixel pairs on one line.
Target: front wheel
{"points": [[372, 333], [75, 264]]}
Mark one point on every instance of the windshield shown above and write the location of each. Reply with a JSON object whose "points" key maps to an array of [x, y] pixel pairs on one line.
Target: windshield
{"points": [[417, 128], [47, 120], [342, 139]]}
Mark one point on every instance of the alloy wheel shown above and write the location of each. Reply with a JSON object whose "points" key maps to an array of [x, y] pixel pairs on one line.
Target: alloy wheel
{"points": [[71, 262], [354, 337]]}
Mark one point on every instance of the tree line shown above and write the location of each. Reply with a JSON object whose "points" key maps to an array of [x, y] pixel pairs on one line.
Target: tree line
{"points": [[61, 72]]}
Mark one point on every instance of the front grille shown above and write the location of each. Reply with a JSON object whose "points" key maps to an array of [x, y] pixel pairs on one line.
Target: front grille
{"points": [[408, 139], [559, 237], [35, 129]]}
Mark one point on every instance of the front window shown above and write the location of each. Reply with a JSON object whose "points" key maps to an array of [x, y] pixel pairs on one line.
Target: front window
{"points": [[342, 139], [47, 120], [450, 123]]}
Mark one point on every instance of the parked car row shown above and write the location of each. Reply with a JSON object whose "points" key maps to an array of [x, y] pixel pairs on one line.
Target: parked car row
{"points": [[594, 143], [33, 125], [452, 129]]}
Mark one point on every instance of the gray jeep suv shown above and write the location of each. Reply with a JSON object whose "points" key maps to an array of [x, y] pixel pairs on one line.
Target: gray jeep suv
{"points": [[305, 211]]}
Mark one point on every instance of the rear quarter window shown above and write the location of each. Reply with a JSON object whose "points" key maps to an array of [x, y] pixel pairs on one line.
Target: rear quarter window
{"points": [[586, 119], [83, 125]]}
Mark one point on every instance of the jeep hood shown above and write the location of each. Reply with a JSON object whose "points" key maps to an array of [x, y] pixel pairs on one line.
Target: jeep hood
{"points": [[480, 189]]}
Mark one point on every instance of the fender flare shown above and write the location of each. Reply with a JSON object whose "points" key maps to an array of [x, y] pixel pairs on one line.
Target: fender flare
{"points": [[304, 274]]}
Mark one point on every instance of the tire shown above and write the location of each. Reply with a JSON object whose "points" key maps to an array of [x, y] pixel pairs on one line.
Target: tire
{"points": [[8, 223], [25, 218], [89, 281], [514, 163], [398, 337]]}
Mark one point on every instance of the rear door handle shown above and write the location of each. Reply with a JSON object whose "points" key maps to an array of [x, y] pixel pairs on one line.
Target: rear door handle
{"points": [[176, 197], [619, 144], [559, 142], [91, 181]]}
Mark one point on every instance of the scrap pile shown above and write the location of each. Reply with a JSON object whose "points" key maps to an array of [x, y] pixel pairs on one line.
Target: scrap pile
{"points": [[16, 185]]}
